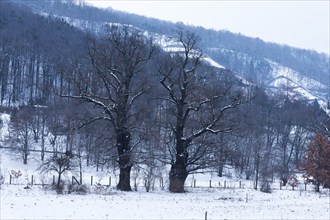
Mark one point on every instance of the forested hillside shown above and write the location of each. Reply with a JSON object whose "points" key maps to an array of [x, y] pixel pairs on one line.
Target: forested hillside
{"points": [[248, 56], [105, 93]]}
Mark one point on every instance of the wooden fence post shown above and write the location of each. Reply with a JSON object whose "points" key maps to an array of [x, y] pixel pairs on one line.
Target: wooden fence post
{"points": [[240, 184], [91, 180], [109, 180], [32, 180], [194, 183], [210, 183], [53, 179], [10, 177], [205, 215], [225, 184]]}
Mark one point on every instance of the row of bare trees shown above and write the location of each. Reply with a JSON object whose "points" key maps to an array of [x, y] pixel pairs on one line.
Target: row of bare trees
{"points": [[122, 86]]}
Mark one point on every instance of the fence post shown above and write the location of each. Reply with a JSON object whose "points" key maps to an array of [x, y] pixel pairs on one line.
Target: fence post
{"points": [[91, 180], [32, 180], [210, 183], [240, 184], [53, 179], [225, 184], [109, 180], [205, 215], [10, 177], [281, 185], [194, 183]]}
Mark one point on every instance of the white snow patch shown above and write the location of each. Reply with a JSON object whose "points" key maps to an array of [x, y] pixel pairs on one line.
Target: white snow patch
{"points": [[284, 77], [4, 130], [213, 63]]}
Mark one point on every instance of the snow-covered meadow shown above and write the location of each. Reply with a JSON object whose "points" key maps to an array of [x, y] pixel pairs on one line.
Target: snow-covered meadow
{"points": [[105, 202], [219, 203]]}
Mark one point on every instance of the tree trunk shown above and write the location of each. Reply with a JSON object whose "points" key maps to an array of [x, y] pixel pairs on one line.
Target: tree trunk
{"points": [[58, 185], [125, 179], [317, 186], [43, 139], [25, 149], [25, 158], [125, 164], [220, 170], [284, 181], [257, 172], [177, 177]]}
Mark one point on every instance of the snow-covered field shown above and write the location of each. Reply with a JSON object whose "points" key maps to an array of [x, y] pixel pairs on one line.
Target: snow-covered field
{"points": [[38, 203]]}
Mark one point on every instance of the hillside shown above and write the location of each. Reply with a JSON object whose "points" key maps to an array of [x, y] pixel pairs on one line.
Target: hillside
{"points": [[252, 58]]}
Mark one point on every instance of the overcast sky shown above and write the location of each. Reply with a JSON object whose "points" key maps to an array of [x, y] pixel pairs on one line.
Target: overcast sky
{"points": [[303, 24]]}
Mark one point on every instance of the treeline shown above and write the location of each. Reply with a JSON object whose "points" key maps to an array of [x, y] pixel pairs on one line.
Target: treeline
{"points": [[117, 101]]}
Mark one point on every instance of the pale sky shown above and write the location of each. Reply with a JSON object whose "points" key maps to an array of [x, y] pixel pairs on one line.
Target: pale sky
{"points": [[304, 24]]}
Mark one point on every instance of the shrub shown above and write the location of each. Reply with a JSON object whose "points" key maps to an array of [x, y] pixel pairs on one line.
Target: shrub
{"points": [[78, 189], [266, 186], [293, 181]]}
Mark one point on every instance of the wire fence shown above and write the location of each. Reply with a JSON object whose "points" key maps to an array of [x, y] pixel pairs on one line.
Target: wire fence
{"points": [[158, 183]]}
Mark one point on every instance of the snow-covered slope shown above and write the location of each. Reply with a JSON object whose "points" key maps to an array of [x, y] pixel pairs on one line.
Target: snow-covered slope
{"points": [[297, 79], [286, 80], [279, 79]]}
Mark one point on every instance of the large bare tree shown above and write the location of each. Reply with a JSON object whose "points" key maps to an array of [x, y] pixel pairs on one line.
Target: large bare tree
{"points": [[196, 104], [116, 81]]}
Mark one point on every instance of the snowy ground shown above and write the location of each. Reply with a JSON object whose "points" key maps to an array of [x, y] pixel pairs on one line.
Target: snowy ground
{"points": [[38, 203]]}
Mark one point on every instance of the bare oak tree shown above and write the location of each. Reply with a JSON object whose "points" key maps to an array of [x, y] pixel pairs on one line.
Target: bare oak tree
{"points": [[195, 107], [113, 86]]}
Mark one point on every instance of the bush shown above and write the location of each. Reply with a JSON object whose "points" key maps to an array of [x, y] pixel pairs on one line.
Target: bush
{"points": [[59, 188], [266, 186], [78, 189], [293, 181]]}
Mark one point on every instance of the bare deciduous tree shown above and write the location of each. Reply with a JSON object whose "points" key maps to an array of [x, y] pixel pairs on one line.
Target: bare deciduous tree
{"points": [[21, 131], [60, 163], [114, 85], [195, 107]]}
